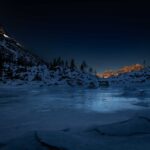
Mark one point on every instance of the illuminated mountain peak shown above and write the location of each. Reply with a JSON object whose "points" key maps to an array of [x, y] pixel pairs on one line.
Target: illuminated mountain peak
{"points": [[125, 69]]}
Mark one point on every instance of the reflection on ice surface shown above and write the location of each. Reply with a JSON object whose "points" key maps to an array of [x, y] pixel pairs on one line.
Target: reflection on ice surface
{"points": [[57, 108], [53, 98]]}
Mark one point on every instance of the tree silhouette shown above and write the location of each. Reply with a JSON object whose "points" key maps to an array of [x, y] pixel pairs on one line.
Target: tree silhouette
{"points": [[83, 66], [54, 62], [91, 70], [72, 64], [144, 63], [66, 64], [62, 63], [58, 61]]}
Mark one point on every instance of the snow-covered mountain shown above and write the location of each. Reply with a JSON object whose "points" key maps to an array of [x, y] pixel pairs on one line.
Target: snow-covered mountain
{"points": [[125, 69], [19, 64], [139, 77]]}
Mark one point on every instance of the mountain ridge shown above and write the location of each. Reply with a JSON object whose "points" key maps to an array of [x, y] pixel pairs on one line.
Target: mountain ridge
{"points": [[122, 70]]}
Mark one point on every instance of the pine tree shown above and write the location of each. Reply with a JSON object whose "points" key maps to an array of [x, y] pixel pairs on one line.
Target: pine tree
{"points": [[83, 66], [91, 70], [66, 64], [62, 63], [58, 61], [72, 64], [144, 63], [54, 62]]}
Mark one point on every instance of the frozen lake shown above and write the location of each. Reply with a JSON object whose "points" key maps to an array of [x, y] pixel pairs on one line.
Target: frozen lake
{"points": [[57, 108]]}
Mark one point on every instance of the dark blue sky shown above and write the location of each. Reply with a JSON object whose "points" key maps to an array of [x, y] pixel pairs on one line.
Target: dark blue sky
{"points": [[106, 34]]}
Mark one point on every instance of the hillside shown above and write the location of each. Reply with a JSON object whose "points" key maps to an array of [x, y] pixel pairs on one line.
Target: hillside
{"points": [[133, 78], [19, 65]]}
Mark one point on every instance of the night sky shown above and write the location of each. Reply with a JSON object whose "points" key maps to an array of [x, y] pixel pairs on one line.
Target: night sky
{"points": [[106, 34]]}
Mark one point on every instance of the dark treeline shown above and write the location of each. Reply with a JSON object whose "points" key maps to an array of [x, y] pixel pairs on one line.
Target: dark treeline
{"points": [[23, 64], [59, 62]]}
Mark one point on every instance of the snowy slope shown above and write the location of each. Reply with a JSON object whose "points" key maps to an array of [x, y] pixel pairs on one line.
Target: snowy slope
{"points": [[141, 77], [18, 64]]}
